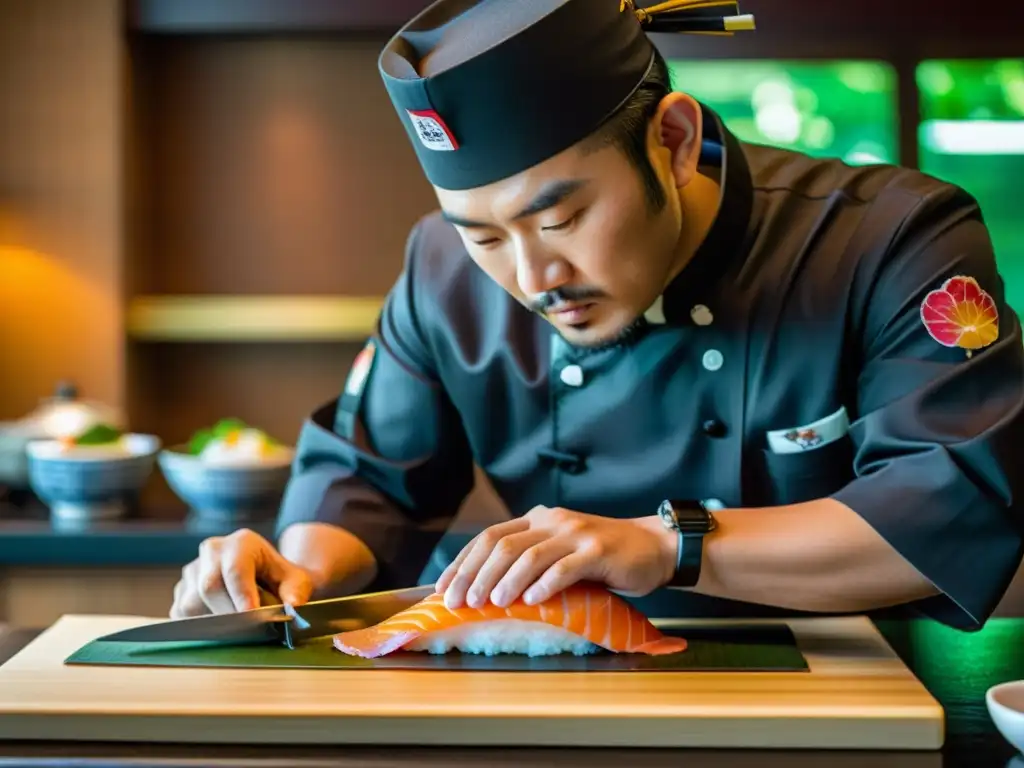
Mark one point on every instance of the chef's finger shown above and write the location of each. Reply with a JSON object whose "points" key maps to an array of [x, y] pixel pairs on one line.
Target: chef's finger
{"points": [[192, 605], [560, 575], [178, 597], [238, 572], [210, 582], [189, 605], [505, 553], [187, 602], [289, 583], [529, 567], [475, 556], [444, 580], [296, 588]]}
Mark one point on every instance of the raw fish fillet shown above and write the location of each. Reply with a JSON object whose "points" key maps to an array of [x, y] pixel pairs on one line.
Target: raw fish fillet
{"points": [[582, 619]]}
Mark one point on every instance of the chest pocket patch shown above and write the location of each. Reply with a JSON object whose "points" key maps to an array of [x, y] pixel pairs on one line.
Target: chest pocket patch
{"points": [[810, 461]]}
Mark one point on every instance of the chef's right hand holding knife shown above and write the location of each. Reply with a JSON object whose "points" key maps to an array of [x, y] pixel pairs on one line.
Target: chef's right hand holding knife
{"points": [[235, 572]]}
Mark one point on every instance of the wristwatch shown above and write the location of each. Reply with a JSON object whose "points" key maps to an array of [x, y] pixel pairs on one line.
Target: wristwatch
{"points": [[691, 520]]}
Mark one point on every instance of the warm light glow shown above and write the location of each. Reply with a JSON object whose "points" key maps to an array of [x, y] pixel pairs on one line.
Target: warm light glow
{"points": [[52, 325]]}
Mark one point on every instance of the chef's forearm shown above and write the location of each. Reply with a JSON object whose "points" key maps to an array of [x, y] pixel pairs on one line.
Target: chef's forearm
{"points": [[819, 556], [340, 563]]}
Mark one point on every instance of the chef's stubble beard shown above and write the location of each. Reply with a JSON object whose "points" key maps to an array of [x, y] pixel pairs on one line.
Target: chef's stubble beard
{"points": [[624, 337]]}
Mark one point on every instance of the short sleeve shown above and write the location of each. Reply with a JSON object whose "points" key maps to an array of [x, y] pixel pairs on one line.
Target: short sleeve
{"points": [[940, 392], [387, 459]]}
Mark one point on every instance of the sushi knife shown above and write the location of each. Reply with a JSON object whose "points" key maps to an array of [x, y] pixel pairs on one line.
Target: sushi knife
{"points": [[278, 624]]}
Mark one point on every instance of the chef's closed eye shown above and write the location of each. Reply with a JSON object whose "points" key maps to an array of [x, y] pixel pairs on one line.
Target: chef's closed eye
{"points": [[566, 223]]}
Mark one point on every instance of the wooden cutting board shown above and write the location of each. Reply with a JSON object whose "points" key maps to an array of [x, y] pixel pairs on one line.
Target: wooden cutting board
{"points": [[857, 695]]}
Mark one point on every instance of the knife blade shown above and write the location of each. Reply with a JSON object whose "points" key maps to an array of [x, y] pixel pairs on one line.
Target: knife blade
{"points": [[281, 623]]}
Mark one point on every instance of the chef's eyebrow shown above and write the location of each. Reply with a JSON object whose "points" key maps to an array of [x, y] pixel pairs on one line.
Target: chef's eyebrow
{"points": [[550, 195]]}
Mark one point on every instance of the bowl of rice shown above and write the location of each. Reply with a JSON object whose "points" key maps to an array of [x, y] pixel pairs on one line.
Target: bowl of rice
{"points": [[229, 472], [93, 475]]}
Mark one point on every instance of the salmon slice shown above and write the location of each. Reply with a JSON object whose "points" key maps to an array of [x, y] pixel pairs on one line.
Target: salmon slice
{"points": [[580, 619]]}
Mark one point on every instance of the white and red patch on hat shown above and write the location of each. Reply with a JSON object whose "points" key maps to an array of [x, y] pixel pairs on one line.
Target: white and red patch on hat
{"points": [[360, 369], [434, 133], [960, 314]]}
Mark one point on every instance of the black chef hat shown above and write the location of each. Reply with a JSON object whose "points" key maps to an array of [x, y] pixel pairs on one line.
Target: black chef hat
{"points": [[489, 88]]}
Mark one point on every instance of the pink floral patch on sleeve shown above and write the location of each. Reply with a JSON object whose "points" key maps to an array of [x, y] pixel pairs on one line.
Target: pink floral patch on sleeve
{"points": [[961, 314]]}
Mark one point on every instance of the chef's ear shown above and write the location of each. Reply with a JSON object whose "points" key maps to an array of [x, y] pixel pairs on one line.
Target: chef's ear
{"points": [[674, 137]]}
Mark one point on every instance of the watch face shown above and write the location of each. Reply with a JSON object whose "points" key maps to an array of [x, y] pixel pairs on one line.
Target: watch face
{"points": [[667, 515], [692, 517]]}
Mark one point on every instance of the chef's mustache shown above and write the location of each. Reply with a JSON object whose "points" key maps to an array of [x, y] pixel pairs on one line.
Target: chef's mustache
{"points": [[552, 300]]}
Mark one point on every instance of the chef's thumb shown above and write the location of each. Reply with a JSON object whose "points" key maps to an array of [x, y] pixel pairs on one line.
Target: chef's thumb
{"points": [[296, 587]]}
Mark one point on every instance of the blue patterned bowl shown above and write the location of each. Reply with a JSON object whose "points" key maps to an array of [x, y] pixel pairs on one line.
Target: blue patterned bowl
{"points": [[227, 492], [90, 482]]}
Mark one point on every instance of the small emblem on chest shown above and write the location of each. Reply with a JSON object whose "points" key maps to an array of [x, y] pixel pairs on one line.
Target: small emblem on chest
{"points": [[960, 314], [805, 438]]}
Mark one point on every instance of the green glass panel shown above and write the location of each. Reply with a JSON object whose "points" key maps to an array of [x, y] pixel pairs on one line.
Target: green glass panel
{"points": [[961, 666], [972, 134], [834, 108]]}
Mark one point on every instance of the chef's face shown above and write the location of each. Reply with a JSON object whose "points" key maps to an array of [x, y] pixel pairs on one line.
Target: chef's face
{"points": [[576, 238]]}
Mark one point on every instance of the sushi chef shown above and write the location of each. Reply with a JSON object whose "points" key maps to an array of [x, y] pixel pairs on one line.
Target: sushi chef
{"points": [[687, 364]]}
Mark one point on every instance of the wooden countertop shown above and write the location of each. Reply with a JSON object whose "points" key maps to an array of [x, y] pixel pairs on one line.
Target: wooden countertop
{"points": [[957, 668]]}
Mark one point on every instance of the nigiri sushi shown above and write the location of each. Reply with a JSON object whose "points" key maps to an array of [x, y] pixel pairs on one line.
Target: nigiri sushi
{"points": [[580, 620]]}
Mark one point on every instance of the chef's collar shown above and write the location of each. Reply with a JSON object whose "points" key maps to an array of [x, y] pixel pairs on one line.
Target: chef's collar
{"points": [[725, 242]]}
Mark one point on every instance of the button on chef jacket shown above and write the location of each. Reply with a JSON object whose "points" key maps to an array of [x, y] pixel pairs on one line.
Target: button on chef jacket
{"points": [[804, 302]]}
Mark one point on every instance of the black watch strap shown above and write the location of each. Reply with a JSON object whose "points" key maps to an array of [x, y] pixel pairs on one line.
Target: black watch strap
{"points": [[688, 559], [691, 521]]}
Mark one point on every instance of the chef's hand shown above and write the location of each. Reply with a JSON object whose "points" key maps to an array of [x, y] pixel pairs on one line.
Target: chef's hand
{"points": [[548, 550], [223, 579]]}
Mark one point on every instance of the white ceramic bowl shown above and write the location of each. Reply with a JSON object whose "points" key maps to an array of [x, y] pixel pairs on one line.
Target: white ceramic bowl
{"points": [[1006, 707]]}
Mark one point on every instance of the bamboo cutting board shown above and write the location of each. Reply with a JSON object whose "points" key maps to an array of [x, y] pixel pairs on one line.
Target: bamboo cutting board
{"points": [[857, 695]]}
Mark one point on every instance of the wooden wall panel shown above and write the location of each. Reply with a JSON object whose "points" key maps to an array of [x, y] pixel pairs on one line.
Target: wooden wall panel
{"points": [[188, 386], [276, 167], [61, 63], [37, 597]]}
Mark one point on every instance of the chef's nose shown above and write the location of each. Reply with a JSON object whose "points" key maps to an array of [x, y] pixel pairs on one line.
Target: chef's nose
{"points": [[539, 270]]}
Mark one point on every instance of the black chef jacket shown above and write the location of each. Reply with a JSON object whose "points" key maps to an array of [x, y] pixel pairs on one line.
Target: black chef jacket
{"points": [[804, 300]]}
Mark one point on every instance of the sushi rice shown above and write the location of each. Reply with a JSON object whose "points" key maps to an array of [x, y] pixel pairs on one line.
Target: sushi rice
{"points": [[516, 636]]}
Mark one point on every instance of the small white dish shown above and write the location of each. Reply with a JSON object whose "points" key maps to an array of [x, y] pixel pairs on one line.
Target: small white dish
{"points": [[1006, 708]]}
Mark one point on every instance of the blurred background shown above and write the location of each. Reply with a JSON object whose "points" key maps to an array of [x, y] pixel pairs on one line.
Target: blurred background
{"points": [[203, 202]]}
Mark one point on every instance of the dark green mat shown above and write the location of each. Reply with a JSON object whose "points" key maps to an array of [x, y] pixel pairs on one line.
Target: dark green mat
{"points": [[711, 649]]}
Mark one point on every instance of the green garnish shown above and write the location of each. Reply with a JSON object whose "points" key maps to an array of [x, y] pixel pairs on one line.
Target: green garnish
{"points": [[99, 434], [199, 441], [218, 431], [225, 427]]}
